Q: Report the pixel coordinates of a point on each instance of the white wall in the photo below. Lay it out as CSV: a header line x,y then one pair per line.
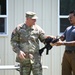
x,y
47,11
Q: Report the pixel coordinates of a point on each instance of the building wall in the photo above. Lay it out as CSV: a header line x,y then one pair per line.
x,y
47,11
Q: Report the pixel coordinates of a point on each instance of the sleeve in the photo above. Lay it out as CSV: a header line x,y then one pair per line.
x,y
42,35
15,42
63,36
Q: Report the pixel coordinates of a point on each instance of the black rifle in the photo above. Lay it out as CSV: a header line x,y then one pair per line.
x,y
47,45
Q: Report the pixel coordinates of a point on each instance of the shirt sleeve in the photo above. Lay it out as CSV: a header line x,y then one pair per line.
x,y
42,35
63,36
15,41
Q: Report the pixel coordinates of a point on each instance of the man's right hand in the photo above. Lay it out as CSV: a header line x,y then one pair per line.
x,y
58,43
22,55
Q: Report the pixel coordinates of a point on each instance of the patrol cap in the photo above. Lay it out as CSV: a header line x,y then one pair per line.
x,y
31,15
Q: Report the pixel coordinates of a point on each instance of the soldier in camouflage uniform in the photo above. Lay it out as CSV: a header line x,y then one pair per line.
x,y
25,43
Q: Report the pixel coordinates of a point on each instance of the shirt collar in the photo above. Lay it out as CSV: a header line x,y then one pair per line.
x,y
73,26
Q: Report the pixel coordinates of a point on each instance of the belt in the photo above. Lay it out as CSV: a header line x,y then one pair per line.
x,y
69,51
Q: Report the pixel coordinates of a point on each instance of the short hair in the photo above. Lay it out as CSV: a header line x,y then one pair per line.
x,y
73,11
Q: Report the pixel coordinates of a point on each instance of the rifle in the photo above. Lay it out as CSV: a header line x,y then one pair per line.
x,y
47,45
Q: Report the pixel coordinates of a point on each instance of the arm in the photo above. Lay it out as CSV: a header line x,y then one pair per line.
x,y
62,42
71,43
15,42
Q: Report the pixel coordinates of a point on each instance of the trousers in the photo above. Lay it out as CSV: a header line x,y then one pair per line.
x,y
68,63
26,69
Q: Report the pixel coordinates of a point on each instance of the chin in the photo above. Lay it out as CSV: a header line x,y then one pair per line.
x,y
71,23
34,24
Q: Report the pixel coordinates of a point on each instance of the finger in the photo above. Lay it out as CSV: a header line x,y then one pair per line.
x,y
31,56
22,56
51,44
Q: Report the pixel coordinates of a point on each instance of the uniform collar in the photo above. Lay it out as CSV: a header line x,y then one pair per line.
x,y
27,27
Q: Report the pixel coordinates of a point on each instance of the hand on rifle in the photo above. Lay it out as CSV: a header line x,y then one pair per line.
x,y
49,42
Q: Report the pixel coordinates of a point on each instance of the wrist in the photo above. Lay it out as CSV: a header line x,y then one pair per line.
x,y
63,43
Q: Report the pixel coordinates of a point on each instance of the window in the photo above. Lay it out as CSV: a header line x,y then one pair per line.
x,y
65,6
3,17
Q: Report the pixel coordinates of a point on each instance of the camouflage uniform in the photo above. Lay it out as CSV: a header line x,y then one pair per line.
x,y
27,39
